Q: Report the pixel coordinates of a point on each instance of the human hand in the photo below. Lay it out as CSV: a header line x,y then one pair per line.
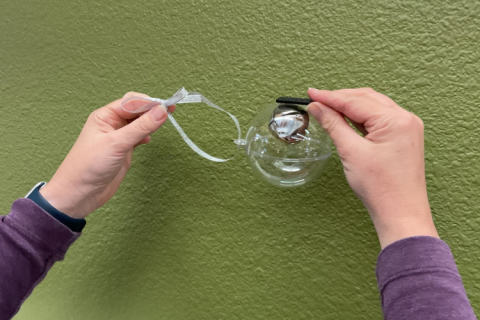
x,y
385,168
100,158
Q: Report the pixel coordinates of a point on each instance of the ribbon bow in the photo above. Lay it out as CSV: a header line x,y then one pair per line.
x,y
183,96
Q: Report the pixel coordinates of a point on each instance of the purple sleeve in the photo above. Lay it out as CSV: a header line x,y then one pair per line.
x,y
418,280
31,241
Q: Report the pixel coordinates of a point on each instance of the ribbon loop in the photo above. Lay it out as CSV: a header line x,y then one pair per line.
x,y
180,97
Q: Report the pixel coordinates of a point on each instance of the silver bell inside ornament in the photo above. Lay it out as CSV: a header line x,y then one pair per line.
x,y
284,148
289,123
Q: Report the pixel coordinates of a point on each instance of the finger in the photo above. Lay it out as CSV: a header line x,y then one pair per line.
x,y
135,132
358,105
134,104
138,105
170,109
336,126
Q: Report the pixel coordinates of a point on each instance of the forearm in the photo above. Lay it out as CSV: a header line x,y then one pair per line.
x,y
418,279
31,241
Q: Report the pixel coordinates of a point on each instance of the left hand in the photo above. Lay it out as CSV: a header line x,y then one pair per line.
x,y
98,162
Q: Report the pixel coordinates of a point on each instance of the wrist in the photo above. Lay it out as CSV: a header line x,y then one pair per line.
x,y
405,228
63,199
75,225
402,219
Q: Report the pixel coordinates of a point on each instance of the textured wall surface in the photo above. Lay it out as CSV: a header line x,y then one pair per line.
x,y
185,238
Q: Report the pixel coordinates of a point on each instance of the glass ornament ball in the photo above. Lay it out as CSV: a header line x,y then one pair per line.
x,y
285,151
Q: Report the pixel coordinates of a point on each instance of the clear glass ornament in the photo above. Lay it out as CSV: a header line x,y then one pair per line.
x,y
286,162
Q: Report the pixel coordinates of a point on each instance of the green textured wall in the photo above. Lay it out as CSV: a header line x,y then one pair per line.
x,y
185,238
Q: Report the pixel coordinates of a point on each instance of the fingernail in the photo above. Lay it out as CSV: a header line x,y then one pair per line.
x,y
309,89
132,94
138,104
158,113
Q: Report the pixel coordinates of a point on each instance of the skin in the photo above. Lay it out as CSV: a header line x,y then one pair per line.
x,y
100,158
384,167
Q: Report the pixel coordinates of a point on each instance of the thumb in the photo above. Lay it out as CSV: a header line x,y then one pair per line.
x,y
336,126
133,133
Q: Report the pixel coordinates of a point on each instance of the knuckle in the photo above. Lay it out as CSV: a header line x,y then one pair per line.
x,y
350,106
367,91
91,116
370,93
100,115
95,115
407,121
418,121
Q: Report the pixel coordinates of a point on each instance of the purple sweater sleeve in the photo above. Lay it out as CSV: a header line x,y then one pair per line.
x,y
418,280
417,276
31,241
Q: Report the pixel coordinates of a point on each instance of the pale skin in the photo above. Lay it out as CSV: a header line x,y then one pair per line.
x,y
100,158
385,167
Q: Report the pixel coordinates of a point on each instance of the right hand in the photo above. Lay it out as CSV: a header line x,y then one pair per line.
x,y
385,168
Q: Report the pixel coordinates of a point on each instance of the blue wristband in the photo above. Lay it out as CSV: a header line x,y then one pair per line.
x,y
76,225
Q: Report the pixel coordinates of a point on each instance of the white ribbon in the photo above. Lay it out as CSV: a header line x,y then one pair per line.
x,y
183,96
